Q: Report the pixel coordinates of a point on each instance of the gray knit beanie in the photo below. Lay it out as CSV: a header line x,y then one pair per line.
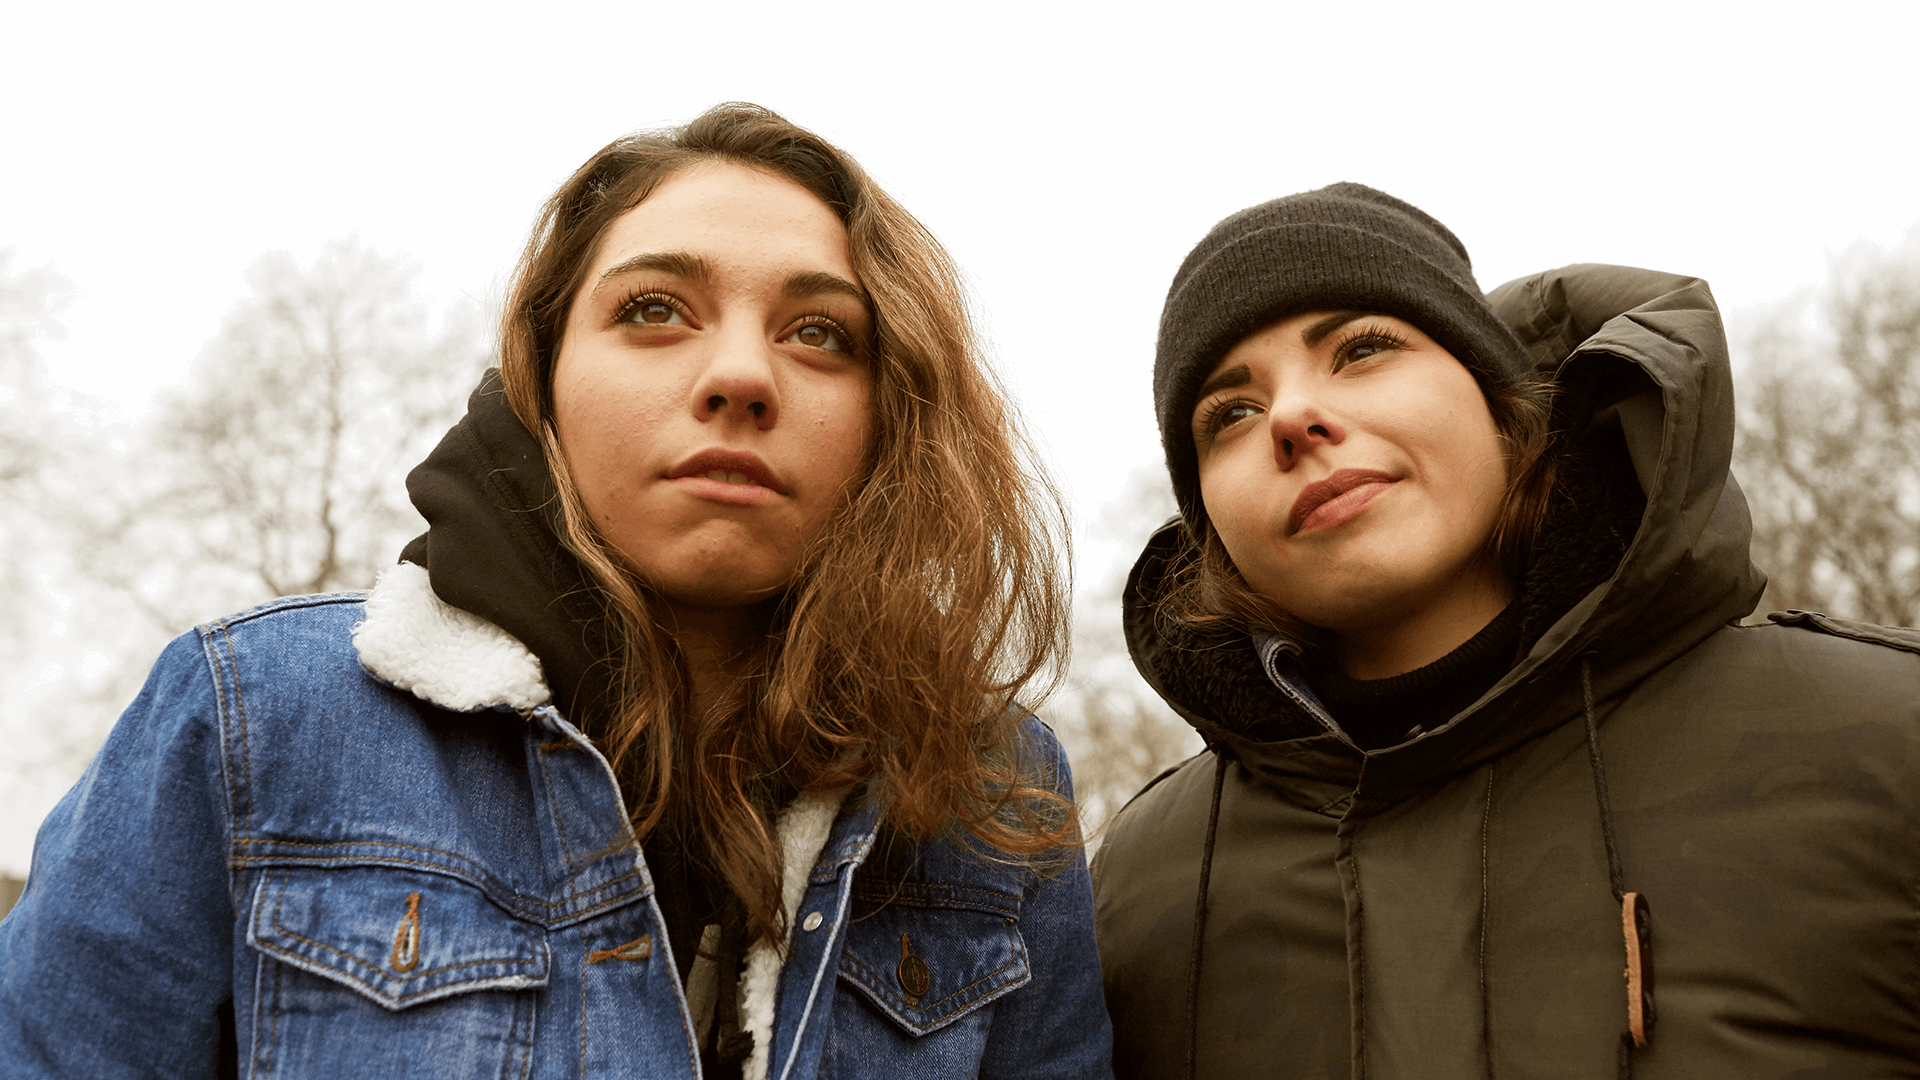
x,y
1344,247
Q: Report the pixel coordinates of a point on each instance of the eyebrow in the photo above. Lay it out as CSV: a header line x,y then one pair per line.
x,y
808,283
1318,331
1227,379
798,286
677,263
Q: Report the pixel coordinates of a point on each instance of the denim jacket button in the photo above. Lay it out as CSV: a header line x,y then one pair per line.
x,y
914,975
812,921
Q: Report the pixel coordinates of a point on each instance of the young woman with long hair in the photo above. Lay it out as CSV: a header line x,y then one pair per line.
x,y
1495,784
685,742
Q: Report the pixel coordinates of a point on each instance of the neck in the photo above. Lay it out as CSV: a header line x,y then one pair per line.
x,y
716,643
1418,638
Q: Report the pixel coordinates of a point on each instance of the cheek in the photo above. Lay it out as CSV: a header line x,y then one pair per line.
x,y
1242,512
1480,486
839,434
605,428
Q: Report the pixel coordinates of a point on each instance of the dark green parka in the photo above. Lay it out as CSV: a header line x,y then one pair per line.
x,y
1443,908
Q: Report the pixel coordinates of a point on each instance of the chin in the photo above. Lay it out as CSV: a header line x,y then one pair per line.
x,y
1347,601
725,587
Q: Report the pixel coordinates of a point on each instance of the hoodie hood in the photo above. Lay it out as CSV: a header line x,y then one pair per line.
x,y
1640,362
492,548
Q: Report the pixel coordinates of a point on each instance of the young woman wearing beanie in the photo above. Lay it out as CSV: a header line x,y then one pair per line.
x,y
684,743
1494,784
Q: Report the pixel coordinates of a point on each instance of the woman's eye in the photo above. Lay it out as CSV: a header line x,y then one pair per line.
x,y
819,336
654,313
1221,417
1365,347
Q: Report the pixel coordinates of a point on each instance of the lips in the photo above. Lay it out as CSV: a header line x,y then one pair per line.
x,y
1321,492
735,467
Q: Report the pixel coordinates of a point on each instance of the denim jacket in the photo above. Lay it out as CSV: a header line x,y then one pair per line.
x,y
285,864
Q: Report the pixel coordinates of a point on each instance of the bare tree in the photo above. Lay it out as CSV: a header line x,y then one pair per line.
x,y
1829,445
1117,732
281,469
29,301
44,430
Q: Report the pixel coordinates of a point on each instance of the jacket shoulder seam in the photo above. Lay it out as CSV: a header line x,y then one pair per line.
x,y
1904,639
285,603
1164,774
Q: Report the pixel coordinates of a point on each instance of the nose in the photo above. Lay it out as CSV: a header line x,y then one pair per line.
x,y
738,384
1299,427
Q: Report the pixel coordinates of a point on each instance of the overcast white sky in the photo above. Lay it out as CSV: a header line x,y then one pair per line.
x,y
1067,154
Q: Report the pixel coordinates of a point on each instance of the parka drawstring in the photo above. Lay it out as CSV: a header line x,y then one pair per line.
x,y
1200,917
1635,916
1615,876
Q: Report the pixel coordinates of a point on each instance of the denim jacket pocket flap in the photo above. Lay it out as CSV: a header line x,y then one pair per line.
x,y
398,937
928,966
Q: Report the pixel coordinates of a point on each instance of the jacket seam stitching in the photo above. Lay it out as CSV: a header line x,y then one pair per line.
x,y
240,712
229,773
1486,894
903,899
553,807
280,900
530,1007
358,981
866,978
1360,984
570,899
273,1032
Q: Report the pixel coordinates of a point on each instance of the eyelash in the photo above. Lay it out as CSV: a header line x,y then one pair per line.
x,y
822,319
1363,333
1210,420
637,297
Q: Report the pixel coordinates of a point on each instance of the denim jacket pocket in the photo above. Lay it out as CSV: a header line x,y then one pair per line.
x,y
397,937
928,956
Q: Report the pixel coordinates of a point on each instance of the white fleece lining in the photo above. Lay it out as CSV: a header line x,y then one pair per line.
x,y
802,829
453,658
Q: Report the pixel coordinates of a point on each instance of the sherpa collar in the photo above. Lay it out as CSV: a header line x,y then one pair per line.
x,y
413,640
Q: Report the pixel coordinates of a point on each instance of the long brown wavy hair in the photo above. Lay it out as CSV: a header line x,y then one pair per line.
x,y
928,604
1207,593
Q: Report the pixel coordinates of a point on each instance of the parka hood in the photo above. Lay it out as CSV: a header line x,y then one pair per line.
x,y
1640,362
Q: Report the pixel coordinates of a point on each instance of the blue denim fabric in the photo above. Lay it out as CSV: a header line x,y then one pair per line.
x,y
382,888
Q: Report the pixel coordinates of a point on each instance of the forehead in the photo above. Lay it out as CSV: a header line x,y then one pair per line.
x,y
1305,330
735,217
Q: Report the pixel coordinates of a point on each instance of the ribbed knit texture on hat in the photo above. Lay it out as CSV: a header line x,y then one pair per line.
x,y
1344,247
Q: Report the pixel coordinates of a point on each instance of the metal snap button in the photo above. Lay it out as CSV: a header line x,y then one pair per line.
x,y
811,922
914,975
